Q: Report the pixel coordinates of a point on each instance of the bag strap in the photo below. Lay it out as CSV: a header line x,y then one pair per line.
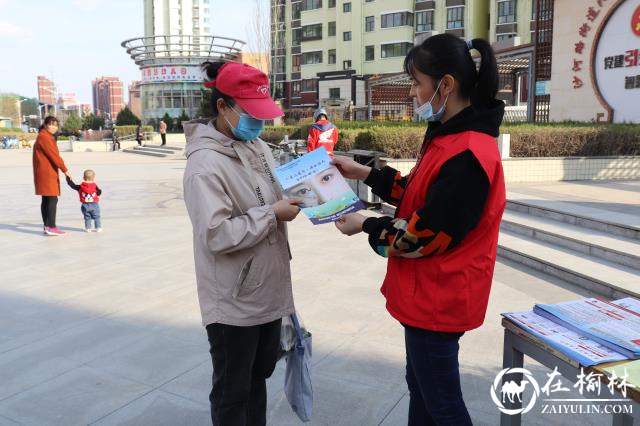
x,y
296,326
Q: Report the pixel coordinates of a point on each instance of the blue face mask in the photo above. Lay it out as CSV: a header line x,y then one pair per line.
x,y
248,128
425,111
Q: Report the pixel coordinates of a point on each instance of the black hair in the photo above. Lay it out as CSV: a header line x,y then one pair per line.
x,y
210,71
49,120
444,54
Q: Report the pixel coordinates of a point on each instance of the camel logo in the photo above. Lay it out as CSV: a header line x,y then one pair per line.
x,y
512,391
263,89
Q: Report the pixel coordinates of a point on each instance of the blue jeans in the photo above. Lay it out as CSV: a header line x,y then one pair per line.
x,y
91,211
433,377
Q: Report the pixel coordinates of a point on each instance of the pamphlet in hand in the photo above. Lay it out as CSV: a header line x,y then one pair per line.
x,y
576,346
325,195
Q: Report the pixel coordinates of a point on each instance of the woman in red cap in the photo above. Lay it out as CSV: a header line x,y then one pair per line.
x,y
240,240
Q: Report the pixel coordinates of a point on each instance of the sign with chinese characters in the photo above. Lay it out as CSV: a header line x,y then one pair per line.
x,y
616,62
171,73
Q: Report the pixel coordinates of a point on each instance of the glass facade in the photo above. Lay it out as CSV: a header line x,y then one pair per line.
x,y
172,98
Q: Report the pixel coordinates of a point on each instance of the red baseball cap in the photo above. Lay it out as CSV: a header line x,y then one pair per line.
x,y
249,87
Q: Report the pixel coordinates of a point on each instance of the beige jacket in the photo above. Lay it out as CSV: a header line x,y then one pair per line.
x,y
241,252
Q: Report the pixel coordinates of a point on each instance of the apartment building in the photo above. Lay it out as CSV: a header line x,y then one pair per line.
x,y
324,50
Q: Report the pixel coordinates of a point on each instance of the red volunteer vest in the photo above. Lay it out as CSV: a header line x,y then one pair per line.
x,y
449,292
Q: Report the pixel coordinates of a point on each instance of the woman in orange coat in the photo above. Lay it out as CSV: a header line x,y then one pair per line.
x,y
46,163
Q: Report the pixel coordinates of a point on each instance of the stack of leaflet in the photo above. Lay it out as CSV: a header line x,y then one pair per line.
x,y
591,331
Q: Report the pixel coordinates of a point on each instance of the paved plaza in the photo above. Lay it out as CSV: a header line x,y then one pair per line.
x,y
105,328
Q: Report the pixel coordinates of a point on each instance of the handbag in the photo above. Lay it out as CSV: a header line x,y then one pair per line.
x,y
297,378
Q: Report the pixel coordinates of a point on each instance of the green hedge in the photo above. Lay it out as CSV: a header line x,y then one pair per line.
x,y
131,130
527,140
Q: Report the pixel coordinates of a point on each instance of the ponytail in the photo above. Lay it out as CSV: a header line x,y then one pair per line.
x,y
210,72
444,54
486,87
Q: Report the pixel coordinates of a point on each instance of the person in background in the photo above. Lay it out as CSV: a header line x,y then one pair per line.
x,y
163,132
139,134
441,243
322,133
46,163
114,139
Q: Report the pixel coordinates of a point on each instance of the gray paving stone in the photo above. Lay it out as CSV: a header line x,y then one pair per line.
x,y
159,408
78,397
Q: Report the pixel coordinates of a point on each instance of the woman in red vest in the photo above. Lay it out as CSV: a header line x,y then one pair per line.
x,y
441,244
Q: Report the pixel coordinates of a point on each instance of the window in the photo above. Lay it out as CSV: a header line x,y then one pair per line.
x,y
346,36
332,29
397,19
346,7
369,23
346,65
545,13
295,63
309,85
395,49
296,36
296,86
312,58
279,90
334,93
312,32
369,53
332,4
506,11
295,11
279,65
311,4
455,17
501,37
332,56
424,21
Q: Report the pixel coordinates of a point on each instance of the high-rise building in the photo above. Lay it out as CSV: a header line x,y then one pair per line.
x,y
134,99
107,96
177,40
46,91
324,50
66,100
177,18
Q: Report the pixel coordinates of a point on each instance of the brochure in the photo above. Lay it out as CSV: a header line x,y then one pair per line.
x,y
578,347
326,196
613,326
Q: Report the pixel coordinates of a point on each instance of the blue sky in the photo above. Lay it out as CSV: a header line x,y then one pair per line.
x,y
75,41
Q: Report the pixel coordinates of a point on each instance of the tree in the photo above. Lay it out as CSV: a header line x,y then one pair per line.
x,y
72,125
168,120
267,32
205,110
92,122
183,117
127,118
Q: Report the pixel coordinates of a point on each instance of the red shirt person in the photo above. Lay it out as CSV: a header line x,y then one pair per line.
x,y
322,133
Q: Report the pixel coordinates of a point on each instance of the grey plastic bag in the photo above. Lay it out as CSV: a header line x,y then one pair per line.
x,y
297,378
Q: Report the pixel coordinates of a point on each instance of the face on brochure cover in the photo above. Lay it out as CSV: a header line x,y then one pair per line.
x,y
319,189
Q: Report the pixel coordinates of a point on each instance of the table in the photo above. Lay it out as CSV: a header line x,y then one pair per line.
x,y
519,342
